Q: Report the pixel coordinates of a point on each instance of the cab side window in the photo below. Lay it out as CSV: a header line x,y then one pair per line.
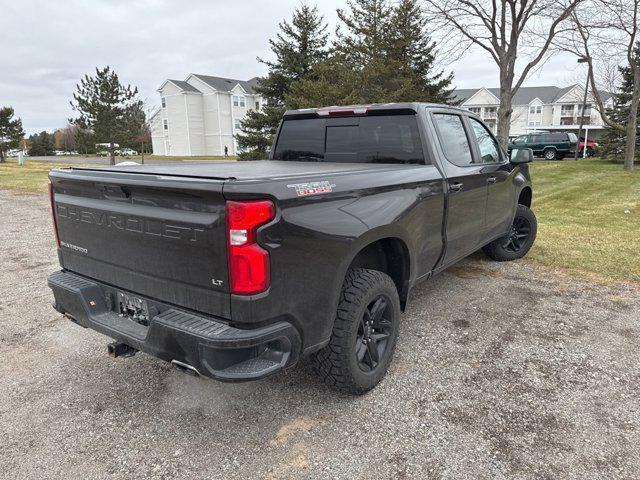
x,y
453,139
521,139
489,151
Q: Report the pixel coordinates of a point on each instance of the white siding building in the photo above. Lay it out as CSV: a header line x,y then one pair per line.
x,y
201,114
537,108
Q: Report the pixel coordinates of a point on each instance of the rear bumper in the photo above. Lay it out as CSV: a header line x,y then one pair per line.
x,y
211,347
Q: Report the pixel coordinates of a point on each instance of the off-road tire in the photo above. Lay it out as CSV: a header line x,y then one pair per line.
x,y
499,250
336,363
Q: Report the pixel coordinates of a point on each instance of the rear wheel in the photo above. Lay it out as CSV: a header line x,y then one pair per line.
x,y
364,334
518,241
550,154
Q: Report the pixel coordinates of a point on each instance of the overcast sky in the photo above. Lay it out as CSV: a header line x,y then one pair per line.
x,y
46,47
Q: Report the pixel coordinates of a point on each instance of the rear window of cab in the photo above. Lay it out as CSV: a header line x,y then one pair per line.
x,y
368,139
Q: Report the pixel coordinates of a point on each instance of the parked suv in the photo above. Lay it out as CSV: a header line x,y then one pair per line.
x,y
550,145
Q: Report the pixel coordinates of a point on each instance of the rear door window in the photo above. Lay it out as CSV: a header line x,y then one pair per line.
x,y
368,139
555,137
453,139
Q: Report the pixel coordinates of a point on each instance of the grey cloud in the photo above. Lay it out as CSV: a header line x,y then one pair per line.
x,y
46,47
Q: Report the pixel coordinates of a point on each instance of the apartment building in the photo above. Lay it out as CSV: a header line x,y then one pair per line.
x,y
201,114
537,108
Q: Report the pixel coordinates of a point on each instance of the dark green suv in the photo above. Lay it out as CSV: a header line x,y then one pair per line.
x,y
550,145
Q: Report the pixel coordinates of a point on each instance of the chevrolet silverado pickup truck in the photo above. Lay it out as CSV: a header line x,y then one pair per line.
x,y
234,270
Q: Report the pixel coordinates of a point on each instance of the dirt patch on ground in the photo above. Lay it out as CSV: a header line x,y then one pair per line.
x,y
501,371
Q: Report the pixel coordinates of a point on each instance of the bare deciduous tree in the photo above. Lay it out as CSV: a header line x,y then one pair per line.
x,y
508,30
65,138
611,38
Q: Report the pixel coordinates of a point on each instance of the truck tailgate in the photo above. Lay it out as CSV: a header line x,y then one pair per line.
x,y
155,235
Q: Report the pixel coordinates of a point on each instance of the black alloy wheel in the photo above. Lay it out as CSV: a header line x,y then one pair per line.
x,y
373,333
517,238
518,241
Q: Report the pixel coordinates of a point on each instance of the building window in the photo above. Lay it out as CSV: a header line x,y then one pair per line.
x,y
236,124
587,109
535,109
490,112
164,102
165,123
476,110
257,105
566,110
238,101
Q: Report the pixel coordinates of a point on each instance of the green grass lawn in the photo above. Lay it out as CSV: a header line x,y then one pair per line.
x,y
31,178
588,218
582,225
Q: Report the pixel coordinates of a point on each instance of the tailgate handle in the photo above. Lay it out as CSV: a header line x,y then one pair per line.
x,y
113,192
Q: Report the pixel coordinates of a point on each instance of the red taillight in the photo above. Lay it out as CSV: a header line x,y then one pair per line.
x,y
53,214
249,266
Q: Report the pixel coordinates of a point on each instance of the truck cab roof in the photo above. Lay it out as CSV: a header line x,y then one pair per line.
x,y
367,109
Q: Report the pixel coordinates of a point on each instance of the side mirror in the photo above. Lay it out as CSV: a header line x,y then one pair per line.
x,y
521,155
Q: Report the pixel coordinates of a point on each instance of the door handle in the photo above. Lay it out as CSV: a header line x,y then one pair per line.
x,y
456,187
492,180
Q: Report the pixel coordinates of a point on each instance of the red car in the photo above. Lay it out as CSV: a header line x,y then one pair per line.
x,y
592,147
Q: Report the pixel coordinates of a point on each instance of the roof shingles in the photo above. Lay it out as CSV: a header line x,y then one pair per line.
x,y
184,86
226,84
524,95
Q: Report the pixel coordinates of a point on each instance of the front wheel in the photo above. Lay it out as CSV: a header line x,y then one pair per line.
x,y
550,154
364,334
518,241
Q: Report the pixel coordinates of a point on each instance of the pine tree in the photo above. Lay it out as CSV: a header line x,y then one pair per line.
x,y
85,141
365,47
331,82
298,46
382,54
613,140
42,144
413,52
134,125
102,103
11,132
366,37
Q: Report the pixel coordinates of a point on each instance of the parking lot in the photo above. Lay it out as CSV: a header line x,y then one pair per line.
x,y
501,371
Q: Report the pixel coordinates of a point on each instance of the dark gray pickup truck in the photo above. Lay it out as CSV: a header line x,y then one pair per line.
x,y
233,270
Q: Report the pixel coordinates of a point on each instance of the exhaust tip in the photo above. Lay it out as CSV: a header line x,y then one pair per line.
x,y
185,368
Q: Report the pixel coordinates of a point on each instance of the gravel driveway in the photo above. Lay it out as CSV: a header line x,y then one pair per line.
x,y
501,371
